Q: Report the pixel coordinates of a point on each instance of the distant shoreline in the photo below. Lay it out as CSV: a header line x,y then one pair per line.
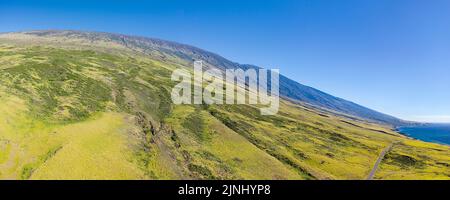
x,y
433,133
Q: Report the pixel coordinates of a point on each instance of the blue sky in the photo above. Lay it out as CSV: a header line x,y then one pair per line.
x,y
389,55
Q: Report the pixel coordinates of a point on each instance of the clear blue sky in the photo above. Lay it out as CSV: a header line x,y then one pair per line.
x,y
389,55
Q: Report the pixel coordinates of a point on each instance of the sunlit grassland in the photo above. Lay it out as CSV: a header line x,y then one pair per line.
x,y
46,106
416,160
322,151
73,113
96,149
226,153
93,149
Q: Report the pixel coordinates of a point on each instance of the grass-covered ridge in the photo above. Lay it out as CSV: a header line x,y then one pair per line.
x,y
80,113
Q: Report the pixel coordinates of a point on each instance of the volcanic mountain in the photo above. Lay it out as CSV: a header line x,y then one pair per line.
x,y
170,50
89,105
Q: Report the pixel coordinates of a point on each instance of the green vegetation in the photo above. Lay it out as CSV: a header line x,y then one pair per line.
x,y
78,113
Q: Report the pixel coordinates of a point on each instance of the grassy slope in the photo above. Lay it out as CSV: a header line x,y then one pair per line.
x,y
69,114
94,148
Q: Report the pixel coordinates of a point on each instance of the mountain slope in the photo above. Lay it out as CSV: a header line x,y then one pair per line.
x,y
166,50
78,108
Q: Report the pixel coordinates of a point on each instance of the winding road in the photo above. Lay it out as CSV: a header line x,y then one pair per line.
x,y
380,158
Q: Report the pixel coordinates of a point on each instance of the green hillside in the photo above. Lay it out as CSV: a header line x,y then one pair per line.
x,y
74,109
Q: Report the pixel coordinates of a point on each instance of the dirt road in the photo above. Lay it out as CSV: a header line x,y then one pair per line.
x,y
380,158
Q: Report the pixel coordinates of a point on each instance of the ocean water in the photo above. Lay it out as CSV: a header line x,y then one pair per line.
x,y
437,133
